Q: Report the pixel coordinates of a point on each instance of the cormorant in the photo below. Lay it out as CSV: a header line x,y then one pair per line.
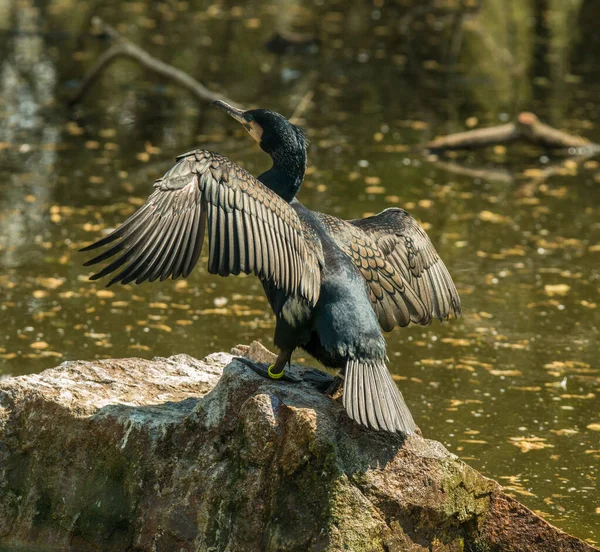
x,y
333,284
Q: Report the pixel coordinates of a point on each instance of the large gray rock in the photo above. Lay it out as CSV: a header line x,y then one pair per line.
x,y
180,454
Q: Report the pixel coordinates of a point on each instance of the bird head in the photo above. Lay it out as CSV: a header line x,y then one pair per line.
x,y
273,132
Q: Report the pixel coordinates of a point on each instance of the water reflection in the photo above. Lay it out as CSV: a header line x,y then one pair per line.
x,y
512,387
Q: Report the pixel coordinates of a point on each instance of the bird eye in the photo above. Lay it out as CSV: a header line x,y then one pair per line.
x,y
249,118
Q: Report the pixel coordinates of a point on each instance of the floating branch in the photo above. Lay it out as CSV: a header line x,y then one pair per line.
x,y
126,48
527,127
491,174
506,176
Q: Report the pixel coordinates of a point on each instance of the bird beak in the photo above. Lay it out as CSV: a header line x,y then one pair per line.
x,y
237,114
253,128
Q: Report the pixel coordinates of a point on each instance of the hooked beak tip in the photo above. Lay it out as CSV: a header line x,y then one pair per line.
x,y
237,114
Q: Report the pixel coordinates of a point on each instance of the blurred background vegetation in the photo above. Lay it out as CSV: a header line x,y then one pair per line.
x,y
512,387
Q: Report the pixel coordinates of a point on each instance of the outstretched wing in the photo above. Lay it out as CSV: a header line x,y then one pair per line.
x,y
408,249
250,229
394,300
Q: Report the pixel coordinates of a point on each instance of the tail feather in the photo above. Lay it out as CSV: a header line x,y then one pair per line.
x,y
372,399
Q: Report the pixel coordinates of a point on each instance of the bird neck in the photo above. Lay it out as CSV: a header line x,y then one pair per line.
x,y
286,175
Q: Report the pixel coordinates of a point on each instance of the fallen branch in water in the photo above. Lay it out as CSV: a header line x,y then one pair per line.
x,y
527,127
490,174
126,48
532,176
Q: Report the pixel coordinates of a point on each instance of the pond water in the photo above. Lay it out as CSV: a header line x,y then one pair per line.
x,y
512,387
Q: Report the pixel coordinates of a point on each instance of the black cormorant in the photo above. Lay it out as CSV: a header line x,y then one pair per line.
x,y
333,284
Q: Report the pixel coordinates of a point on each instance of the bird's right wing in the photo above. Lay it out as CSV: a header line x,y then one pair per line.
x,y
250,229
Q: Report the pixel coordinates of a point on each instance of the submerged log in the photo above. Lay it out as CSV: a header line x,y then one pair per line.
x,y
527,127
185,454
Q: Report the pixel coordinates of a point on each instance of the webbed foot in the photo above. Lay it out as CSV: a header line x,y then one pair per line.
x,y
269,372
321,381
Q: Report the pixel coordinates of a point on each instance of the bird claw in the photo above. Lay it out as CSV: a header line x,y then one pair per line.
x,y
321,381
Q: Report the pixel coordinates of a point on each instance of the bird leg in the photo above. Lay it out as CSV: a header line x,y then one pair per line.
x,y
274,371
321,381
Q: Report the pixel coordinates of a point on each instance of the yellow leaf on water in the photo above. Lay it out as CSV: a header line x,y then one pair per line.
x,y
556,289
162,327
419,125
139,347
39,345
561,432
594,426
458,342
530,443
532,173
489,216
222,311
506,373
252,23
50,283
74,129
105,293
95,335
397,148
108,132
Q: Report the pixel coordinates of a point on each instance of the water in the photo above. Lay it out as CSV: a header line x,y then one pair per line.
x,y
512,386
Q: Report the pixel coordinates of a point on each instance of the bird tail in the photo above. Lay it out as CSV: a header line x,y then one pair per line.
x,y
372,399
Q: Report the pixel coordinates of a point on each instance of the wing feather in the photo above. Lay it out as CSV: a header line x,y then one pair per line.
x,y
250,229
406,279
407,248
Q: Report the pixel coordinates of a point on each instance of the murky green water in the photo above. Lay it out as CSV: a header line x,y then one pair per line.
x,y
512,387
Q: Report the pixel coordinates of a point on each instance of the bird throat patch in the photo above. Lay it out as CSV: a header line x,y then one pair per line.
x,y
255,130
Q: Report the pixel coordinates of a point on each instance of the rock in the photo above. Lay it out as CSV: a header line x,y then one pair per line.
x,y
180,454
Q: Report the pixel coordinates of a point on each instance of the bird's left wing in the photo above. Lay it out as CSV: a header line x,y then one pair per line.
x,y
407,248
394,300
250,229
